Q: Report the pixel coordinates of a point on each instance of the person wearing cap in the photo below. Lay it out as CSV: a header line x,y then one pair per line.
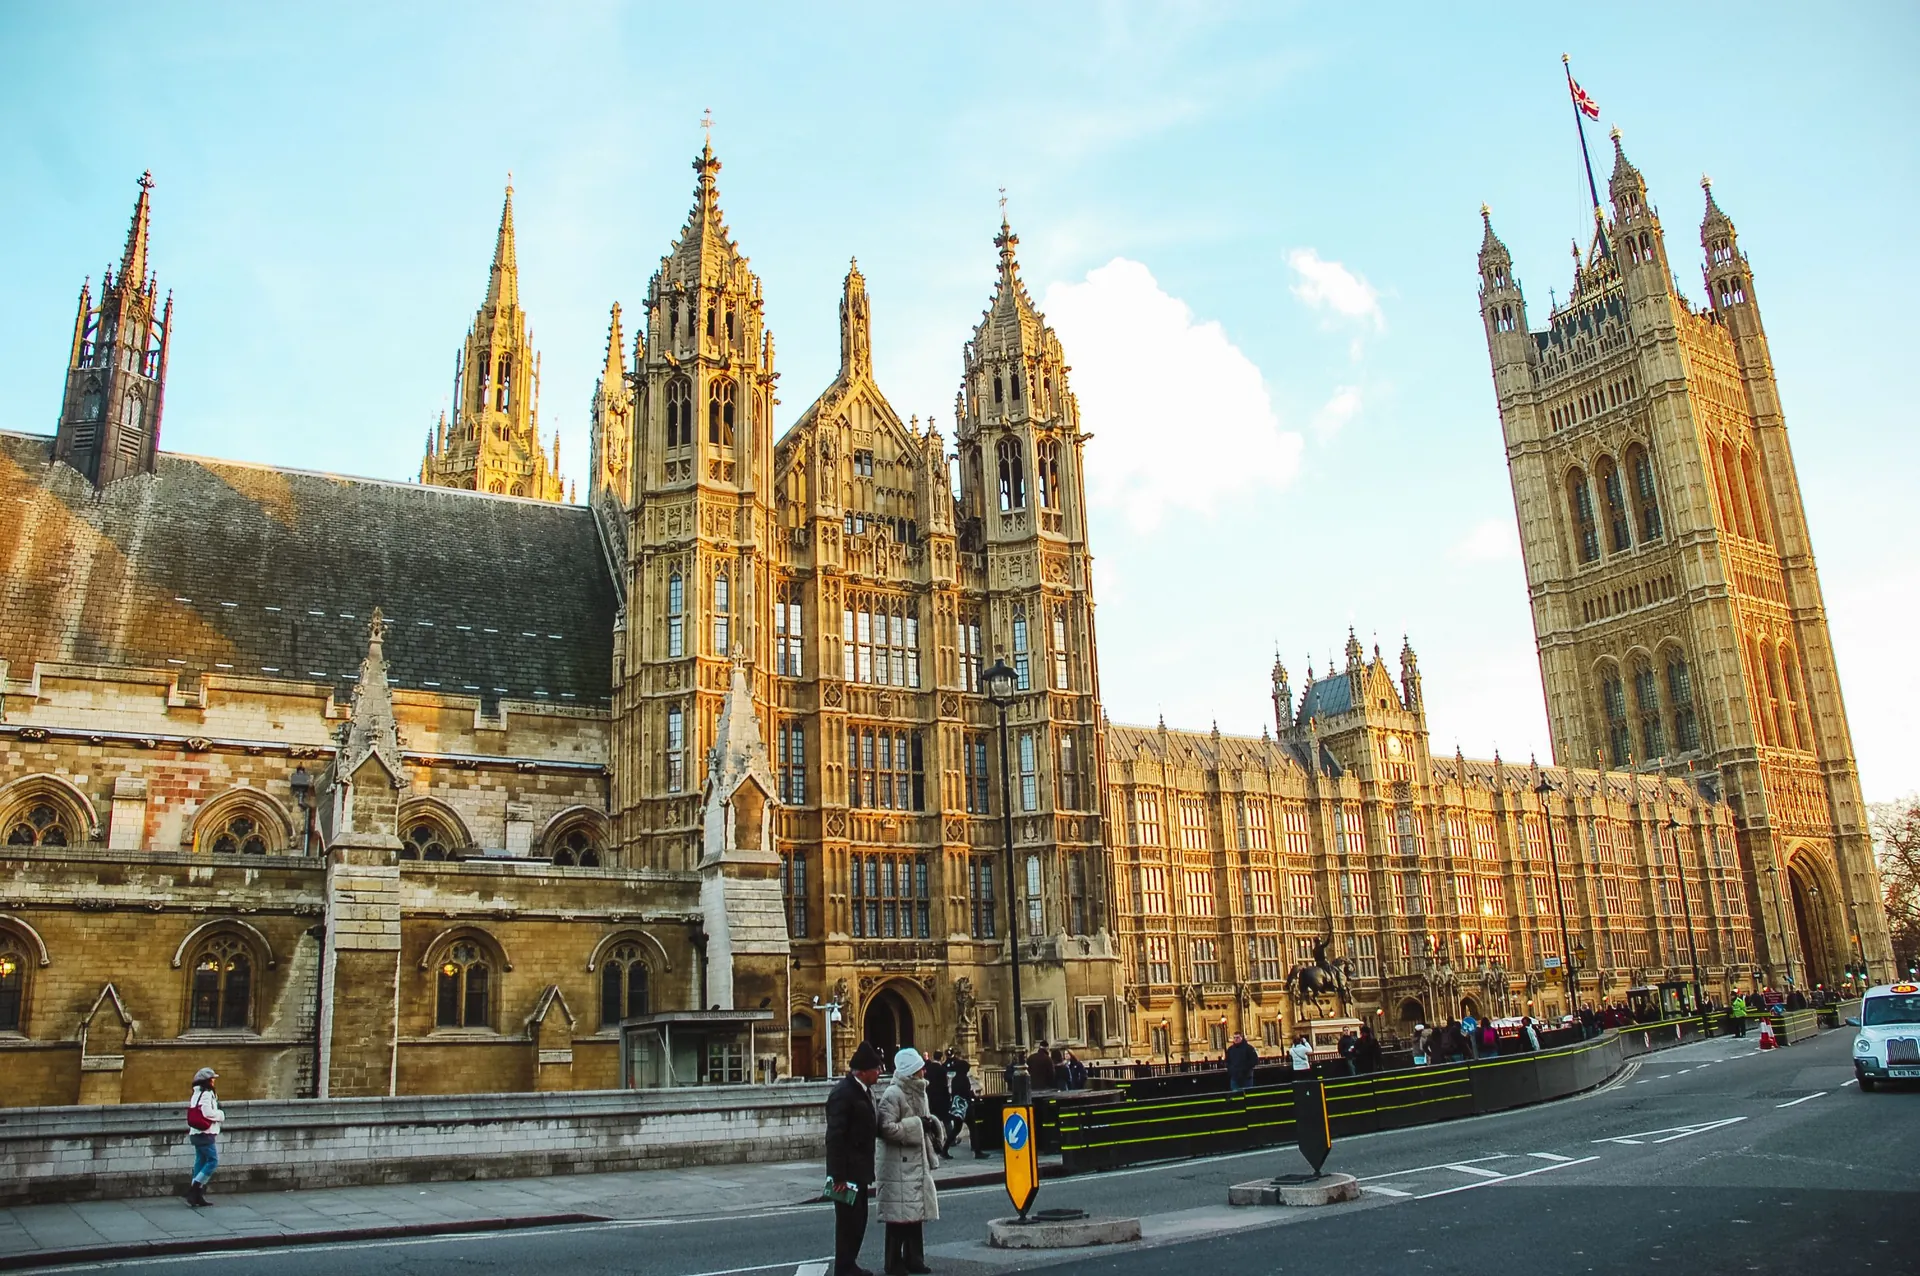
x,y
203,1131
851,1125
910,1138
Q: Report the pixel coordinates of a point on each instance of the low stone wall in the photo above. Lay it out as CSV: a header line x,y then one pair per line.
x,y
89,1153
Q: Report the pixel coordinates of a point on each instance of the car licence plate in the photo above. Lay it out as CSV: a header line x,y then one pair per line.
x,y
1904,1074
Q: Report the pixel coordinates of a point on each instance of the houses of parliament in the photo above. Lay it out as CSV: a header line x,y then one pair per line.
x,y
348,786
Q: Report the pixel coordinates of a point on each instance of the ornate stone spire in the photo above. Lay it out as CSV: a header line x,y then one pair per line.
x,y
856,327
133,262
503,286
370,729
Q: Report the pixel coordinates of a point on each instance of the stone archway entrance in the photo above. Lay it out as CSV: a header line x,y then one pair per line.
x,y
888,1023
1412,1013
1469,1006
800,1034
1812,903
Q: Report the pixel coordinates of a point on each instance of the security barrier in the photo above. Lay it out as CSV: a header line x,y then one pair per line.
x,y
1115,1134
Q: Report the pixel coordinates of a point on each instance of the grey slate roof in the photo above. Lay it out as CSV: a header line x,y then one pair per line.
x,y
1326,698
222,567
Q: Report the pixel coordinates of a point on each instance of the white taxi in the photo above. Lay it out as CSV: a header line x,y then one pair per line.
x,y
1888,1045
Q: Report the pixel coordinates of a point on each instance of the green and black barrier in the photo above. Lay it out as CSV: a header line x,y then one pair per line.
x,y
1154,1129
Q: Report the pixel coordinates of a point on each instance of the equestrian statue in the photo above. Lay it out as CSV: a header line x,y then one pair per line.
x,y
1314,980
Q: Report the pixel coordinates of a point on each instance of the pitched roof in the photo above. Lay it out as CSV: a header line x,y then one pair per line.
x,y
224,567
1326,698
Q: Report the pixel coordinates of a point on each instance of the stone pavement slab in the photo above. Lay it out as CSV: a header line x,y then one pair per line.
x,y
39,1235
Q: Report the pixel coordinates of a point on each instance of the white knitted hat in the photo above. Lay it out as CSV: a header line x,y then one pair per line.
x,y
907,1062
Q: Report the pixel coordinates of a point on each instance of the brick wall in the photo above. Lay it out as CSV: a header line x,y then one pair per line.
x,y
67,1154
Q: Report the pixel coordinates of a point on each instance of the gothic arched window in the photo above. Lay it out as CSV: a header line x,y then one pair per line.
x,y
1795,691
240,834
1047,470
1686,723
1754,501
1737,514
1613,702
39,824
1645,501
1062,680
1646,702
1580,505
1013,475
720,413
14,966
999,389
710,310
722,605
425,840
623,985
1020,657
504,395
676,616
576,846
1619,530
679,413
462,995
485,388
222,991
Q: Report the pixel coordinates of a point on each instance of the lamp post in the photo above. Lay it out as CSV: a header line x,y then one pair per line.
x,y
999,682
1686,906
302,785
1780,914
1568,968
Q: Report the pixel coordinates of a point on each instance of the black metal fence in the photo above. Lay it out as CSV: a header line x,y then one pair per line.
x,y
1198,1123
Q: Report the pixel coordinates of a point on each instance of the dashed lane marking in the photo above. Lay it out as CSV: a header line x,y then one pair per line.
x,y
1388,1191
812,1269
1479,1171
1442,1165
1802,1099
1550,1156
1846,1083
1507,1178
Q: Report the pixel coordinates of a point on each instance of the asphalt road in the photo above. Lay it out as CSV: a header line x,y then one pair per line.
x,y
1706,1158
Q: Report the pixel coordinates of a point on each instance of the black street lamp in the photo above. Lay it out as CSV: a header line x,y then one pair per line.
x,y
1568,966
999,681
1686,906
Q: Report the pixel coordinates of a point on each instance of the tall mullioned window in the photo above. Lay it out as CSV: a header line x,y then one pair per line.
x,y
980,896
793,887
1029,774
676,616
1580,506
885,768
679,411
880,640
979,789
722,619
1048,471
791,742
676,749
890,897
1062,680
1646,502
788,636
1686,724
967,645
1013,475
1022,679
1067,777
1646,699
1613,698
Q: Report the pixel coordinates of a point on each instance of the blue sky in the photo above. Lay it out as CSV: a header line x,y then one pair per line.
x,y
1254,226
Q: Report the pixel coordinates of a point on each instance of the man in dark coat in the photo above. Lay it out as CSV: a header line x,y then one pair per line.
x,y
1242,1058
852,1125
1040,1067
1366,1051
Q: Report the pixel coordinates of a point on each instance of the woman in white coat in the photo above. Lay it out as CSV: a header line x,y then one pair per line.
x,y
910,1141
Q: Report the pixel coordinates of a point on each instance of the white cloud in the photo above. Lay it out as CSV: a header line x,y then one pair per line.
x,y
1494,541
1336,413
1328,285
1181,417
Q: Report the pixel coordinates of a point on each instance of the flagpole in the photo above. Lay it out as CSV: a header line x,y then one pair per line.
x,y
1579,123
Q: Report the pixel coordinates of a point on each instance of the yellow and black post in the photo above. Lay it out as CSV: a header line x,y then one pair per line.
x,y
1311,1129
1019,1148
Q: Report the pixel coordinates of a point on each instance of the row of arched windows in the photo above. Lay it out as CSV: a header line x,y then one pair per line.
x,y
721,413
1779,694
1649,707
494,385
1011,456
1628,505
224,994
681,312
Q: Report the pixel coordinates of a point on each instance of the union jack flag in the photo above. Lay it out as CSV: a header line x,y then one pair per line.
x,y
1582,100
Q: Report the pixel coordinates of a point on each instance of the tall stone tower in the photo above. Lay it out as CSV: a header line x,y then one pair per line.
x,y
1023,508
698,563
1676,605
117,369
491,443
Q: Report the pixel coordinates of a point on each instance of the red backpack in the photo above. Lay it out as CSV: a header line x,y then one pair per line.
x,y
197,1118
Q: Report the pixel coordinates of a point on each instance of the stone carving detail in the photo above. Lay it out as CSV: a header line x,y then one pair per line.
x,y
837,824
33,735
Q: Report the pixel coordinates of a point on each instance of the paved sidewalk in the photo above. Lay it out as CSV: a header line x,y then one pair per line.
x,y
34,1235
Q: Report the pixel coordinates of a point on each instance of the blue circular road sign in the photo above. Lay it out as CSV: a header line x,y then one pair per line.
x,y
1015,1131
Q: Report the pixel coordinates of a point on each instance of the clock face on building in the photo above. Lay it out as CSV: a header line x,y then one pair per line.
x,y
1393,746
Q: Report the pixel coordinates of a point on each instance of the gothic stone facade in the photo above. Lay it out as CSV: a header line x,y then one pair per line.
x,y
1676,604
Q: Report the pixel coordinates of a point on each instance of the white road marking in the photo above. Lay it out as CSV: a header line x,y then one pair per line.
x,y
1672,1132
1479,1171
1388,1191
1643,1080
1846,1083
1550,1156
1444,1165
1802,1099
1507,1178
813,1269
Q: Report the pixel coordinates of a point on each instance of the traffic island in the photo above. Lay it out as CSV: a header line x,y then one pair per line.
x,y
1061,1229
1296,1189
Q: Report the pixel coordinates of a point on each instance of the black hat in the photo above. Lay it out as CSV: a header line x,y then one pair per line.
x,y
865,1057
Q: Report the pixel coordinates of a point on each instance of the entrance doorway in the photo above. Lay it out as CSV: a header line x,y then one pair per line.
x,y
800,1033
1808,918
888,1023
1469,1007
1412,1014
